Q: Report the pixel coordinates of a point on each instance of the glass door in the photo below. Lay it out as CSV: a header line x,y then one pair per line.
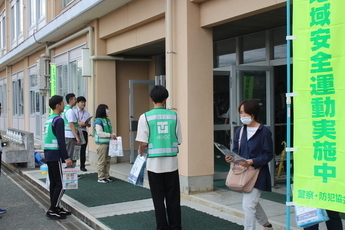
x,y
139,102
230,88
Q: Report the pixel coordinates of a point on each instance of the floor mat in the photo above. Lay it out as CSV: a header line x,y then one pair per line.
x,y
191,220
91,193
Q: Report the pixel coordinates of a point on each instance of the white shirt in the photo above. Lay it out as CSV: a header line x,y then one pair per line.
x,y
251,131
82,115
71,117
157,164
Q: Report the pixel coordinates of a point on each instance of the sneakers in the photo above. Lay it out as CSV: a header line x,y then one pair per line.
x,y
109,179
79,177
268,227
55,215
2,211
62,211
103,181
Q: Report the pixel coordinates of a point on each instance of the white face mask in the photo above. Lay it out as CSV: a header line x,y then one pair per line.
x,y
246,120
107,111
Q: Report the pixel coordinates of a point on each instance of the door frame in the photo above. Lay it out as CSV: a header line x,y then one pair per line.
x,y
132,122
234,100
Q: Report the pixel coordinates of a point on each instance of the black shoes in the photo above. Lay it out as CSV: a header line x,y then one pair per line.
x,y
62,211
83,169
55,215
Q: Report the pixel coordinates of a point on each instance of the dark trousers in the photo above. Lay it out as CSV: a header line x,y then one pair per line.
x,y
55,189
166,187
83,151
334,222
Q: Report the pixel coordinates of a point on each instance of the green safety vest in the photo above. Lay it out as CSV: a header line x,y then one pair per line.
x,y
50,141
163,141
63,115
107,128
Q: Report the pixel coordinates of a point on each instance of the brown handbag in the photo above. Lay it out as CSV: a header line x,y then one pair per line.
x,y
241,179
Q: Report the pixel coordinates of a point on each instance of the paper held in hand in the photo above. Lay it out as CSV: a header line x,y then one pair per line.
x,y
237,158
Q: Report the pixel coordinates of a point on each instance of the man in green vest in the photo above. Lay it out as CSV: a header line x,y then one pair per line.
x,y
71,124
55,154
159,133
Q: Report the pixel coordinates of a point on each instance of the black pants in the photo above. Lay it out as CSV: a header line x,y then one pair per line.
x,y
334,222
55,189
83,151
166,187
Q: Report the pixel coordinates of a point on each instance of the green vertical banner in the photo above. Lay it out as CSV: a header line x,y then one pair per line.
x,y
248,87
318,107
52,80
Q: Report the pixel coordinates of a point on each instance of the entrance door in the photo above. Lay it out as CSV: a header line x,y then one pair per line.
x,y
139,102
244,82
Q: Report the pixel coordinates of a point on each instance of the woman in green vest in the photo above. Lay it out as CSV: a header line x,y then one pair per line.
x,y
103,134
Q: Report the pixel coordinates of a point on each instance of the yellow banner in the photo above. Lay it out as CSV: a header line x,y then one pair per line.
x,y
318,108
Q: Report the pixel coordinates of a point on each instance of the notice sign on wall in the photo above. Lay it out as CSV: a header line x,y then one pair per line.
x,y
318,108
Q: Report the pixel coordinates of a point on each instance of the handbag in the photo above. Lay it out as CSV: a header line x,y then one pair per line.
x,y
308,216
136,176
241,179
115,147
81,136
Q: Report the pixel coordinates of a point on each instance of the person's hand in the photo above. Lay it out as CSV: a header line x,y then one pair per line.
x,y
68,162
142,149
81,123
77,140
229,159
246,163
113,136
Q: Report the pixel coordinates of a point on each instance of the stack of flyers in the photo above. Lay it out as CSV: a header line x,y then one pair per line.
x,y
237,158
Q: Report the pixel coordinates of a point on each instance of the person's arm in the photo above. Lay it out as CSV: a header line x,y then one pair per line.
x,y
142,134
59,131
71,118
101,133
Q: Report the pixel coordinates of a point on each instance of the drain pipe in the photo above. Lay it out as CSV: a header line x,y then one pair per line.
x,y
169,53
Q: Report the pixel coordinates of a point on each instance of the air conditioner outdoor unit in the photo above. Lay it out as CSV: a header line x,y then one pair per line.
x,y
41,76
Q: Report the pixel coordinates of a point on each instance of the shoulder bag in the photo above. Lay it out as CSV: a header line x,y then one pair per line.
x,y
241,179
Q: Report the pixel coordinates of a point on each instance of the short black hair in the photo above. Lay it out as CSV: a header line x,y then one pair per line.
x,y
54,100
69,97
159,93
250,107
101,111
81,98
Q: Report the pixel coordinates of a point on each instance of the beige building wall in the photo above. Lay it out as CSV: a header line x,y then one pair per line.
x,y
217,12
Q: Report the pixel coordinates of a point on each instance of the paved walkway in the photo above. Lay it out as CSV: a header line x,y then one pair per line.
x,y
221,203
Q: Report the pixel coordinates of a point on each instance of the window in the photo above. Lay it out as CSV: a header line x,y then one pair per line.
x,y
2,33
66,2
16,22
3,95
254,47
37,101
17,94
36,13
68,73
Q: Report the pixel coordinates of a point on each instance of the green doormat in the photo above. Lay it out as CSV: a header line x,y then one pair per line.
x,y
91,193
191,220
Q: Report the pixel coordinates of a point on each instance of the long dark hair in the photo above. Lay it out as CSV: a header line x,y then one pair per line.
x,y
101,111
